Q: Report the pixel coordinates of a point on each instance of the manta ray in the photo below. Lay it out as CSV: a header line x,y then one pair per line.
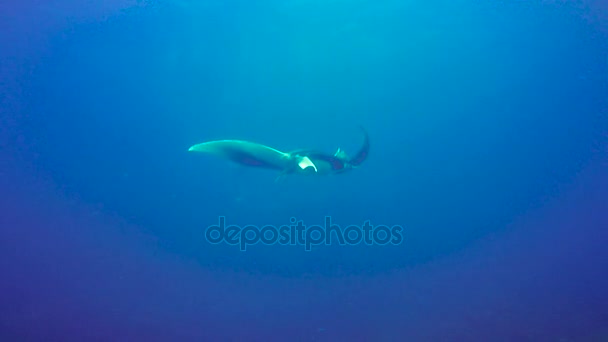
x,y
310,162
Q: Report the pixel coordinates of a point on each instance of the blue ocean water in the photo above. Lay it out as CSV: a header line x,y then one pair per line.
x,y
488,132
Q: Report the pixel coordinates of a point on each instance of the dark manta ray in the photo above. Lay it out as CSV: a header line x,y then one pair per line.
x,y
295,162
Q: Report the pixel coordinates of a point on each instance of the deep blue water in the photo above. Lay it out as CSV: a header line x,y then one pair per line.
x,y
488,128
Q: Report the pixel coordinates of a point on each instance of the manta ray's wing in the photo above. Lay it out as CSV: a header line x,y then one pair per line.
x,y
246,153
360,157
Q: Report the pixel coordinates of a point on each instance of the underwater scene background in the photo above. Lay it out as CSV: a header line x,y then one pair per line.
x,y
488,127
